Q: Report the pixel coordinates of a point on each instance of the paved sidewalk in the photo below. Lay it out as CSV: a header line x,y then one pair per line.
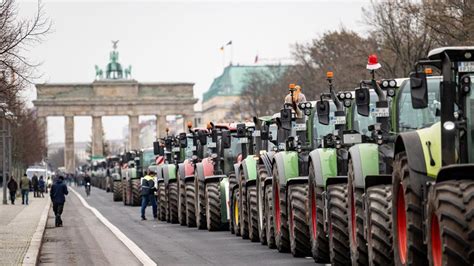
x,y
18,224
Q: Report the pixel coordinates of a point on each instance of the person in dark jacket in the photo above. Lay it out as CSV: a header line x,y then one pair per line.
x,y
41,186
148,194
12,187
34,183
58,194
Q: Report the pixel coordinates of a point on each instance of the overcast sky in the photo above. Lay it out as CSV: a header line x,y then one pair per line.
x,y
174,41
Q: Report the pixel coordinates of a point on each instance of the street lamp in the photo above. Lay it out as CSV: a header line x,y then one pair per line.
x,y
6,135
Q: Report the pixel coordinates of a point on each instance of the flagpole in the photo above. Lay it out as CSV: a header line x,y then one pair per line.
x,y
231,53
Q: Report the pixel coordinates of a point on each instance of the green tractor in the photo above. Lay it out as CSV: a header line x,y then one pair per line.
x,y
114,172
217,179
290,178
131,179
433,187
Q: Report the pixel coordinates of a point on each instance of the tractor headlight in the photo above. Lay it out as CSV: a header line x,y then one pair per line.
x,y
307,112
348,95
342,96
308,105
449,125
392,83
391,92
385,83
347,103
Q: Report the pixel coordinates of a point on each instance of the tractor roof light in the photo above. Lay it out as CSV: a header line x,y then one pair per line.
x,y
329,75
292,87
190,124
428,71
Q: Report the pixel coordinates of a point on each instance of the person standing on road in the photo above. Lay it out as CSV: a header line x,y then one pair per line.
x,y
148,194
41,186
25,186
58,194
12,187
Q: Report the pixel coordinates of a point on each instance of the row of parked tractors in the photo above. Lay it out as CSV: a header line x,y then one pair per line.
x,y
379,175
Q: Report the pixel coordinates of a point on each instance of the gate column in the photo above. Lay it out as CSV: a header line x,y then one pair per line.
x,y
160,126
133,132
97,136
69,161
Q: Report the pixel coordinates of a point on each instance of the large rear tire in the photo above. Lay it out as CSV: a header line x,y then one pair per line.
x,y
232,183
358,243
339,249
269,226
213,206
450,223
201,205
244,214
379,225
262,223
136,197
182,203
298,221
190,204
319,239
236,212
173,202
118,191
163,203
253,213
407,210
124,192
282,235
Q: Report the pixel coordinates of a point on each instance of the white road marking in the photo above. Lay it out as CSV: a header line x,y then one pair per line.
x,y
138,252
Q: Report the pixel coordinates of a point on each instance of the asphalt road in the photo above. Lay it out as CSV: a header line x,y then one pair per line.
x,y
172,244
83,240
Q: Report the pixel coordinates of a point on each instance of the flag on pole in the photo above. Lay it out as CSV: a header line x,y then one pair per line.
x,y
229,43
256,59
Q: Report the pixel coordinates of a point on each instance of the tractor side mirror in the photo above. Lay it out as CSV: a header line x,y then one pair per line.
x,y
241,130
202,137
362,96
157,149
323,112
183,140
264,133
285,119
226,139
419,90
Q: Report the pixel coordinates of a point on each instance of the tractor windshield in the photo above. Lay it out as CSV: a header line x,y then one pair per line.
x,y
412,119
361,123
148,158
320,130
189,149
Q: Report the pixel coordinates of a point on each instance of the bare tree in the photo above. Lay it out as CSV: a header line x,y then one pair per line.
x,y
28,142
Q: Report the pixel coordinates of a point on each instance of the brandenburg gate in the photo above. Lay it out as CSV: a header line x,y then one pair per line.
x,y
116,94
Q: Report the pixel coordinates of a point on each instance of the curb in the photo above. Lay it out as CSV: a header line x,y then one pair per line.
x,y
32,254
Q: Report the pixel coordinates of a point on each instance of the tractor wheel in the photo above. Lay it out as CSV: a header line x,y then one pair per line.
x,y
319,240
407,210
118,191
269,225
182,204
298,221
358,243
450,223
213,206
201,206
163,203
244,214
190,204
232,183
339,249
253,213
173,202
136,197
282,235
236,212
124,191
379,225
260,207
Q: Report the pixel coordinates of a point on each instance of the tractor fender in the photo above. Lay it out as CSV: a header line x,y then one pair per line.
x,y
213,178
286,163
189,178
365,162
188,168
199,173
169,173
324,161
456,172
336,180
268,181
207,167
181,172
159,173
249,165
225,199
298,180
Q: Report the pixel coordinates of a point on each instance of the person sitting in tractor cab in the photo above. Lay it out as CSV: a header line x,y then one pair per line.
x,y
294,97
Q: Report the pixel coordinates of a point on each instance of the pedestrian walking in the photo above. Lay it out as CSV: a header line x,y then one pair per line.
x,y
25,185
41,186
148,194
12,187
34,183
58,194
